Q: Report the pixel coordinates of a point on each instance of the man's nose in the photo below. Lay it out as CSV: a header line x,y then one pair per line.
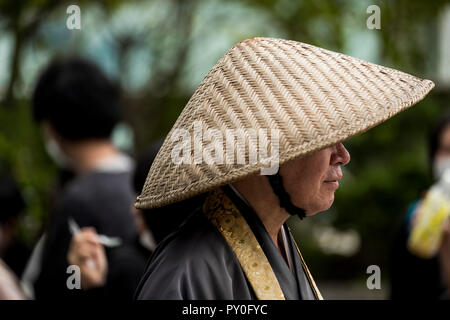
x,y
341,156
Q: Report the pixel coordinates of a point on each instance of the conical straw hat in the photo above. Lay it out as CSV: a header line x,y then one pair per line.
x,y
305,97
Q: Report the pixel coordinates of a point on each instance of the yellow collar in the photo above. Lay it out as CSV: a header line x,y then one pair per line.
x,y
223,214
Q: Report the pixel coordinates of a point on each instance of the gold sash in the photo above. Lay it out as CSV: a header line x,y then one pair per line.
x,y
234,228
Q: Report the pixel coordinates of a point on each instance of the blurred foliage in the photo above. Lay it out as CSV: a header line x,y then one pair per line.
x,y
22,155
389,168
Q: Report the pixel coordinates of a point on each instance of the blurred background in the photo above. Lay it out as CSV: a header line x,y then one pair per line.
x,y
160,50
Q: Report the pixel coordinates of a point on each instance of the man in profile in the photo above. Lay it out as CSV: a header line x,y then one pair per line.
x,y
236,244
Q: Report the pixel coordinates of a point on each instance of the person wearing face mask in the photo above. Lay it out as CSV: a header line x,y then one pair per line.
x,y
126,264
78,107
416,273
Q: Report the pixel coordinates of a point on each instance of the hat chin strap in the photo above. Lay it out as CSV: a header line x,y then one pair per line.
x,y
276,182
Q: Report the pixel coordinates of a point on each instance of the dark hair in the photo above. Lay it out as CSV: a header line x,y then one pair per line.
x,y
11,199
435,136
78,100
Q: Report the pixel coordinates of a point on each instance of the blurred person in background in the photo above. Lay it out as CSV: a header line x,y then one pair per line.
x,y
13,255
126,264
78,107
162,221
9,284
414,277
13,251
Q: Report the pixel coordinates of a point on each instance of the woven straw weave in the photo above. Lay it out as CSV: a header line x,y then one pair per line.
x,y
314,97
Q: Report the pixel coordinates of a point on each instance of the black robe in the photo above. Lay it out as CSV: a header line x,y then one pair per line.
x,y
196,263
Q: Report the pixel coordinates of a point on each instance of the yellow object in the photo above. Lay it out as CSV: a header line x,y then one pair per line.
x,y
426,233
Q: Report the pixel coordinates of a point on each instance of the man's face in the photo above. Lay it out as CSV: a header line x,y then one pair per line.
x,y
312,180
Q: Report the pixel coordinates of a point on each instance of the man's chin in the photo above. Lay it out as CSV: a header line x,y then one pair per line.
x,y
323,208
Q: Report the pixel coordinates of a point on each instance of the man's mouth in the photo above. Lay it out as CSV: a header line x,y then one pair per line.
x,y
334,181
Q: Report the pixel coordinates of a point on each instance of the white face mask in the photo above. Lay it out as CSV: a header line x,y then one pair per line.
x,y
440,166
146,239
57,155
